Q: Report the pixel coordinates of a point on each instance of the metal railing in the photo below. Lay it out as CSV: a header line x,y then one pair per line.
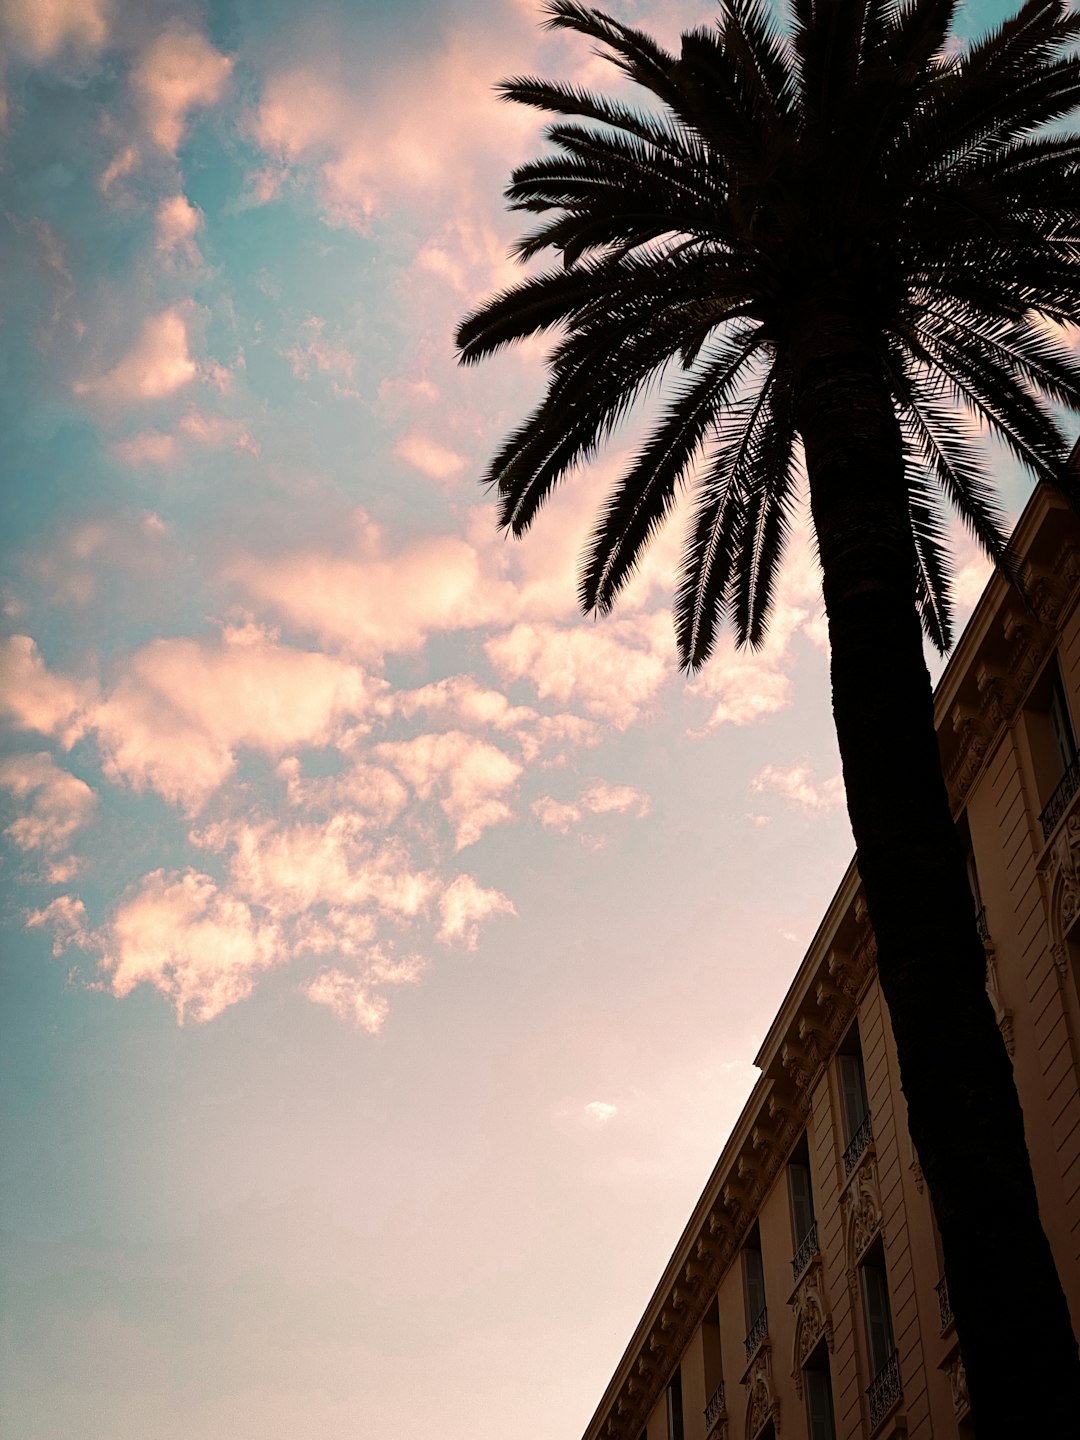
x,y
884,1390
715,1408
944,1304
808,1248
859,1142
982,925
758,1330
1059,800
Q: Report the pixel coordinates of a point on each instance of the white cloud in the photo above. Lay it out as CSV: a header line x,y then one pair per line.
x,y
177,222
600,1112
429,457
599,798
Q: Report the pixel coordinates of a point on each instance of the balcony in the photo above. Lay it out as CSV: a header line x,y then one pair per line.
x,y
716,1408
944,1304
805,1253
858,1146
983,926
884,1392
1059,800
758,1331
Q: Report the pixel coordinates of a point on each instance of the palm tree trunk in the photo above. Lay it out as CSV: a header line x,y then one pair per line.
x,y
1012,1319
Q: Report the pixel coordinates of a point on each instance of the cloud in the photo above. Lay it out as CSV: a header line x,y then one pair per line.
x,y
131,542
429,457
157,365
177,222
334,867
614,668
351,996
469,703
34,698
467,776
59,802
464,906
599,1112
411,131
599,798
42,29
147,447
373,600
180,934
318,354
797,785
180,71
65,918
182,709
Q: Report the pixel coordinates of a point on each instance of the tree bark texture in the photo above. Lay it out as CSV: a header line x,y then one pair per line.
x,y
1012,1318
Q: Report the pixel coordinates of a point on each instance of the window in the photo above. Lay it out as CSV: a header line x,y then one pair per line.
x,y
801,1194
1052,741
710,1350
818,1387
853,1100
876,1313
674,1407
753,1279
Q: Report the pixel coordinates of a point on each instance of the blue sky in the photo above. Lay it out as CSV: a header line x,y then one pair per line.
x,y
385,947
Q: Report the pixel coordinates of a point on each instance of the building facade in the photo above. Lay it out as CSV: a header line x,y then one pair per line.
x,y
806,1296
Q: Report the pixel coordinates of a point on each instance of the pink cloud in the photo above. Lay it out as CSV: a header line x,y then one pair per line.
x,y
180,71
468,777
217,432
157,365
183,708
56,803
318,354
372,795
180,934
290,869
65,919
408,133
36,699
614,668
351,996
373,600
599,798
177,222
464,907
429,457
42,29
136,542
798,786
147,447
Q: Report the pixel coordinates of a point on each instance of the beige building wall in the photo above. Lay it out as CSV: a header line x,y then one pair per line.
x,y
1004,770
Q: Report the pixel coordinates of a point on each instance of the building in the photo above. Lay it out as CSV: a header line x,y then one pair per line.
x,y
806,1296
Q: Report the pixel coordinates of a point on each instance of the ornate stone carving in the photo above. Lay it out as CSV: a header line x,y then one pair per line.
x,y
961,1400
1063,885
762,1404
917,1174
861,1204
812,1320
1000,696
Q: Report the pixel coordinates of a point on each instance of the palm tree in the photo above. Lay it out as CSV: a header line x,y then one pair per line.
x,y
834,241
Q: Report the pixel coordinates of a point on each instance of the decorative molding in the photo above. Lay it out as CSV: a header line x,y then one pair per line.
x,y
860,1204
812,1319
917,1173
958,1386
762,1404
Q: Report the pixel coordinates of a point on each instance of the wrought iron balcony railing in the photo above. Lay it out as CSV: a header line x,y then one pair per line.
x,y
859,1141
715,1408
884,1390
944,1304
1056,805
982,925
758,1330
808,1248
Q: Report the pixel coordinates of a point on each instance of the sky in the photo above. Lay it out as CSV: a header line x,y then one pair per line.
x,y
385,947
